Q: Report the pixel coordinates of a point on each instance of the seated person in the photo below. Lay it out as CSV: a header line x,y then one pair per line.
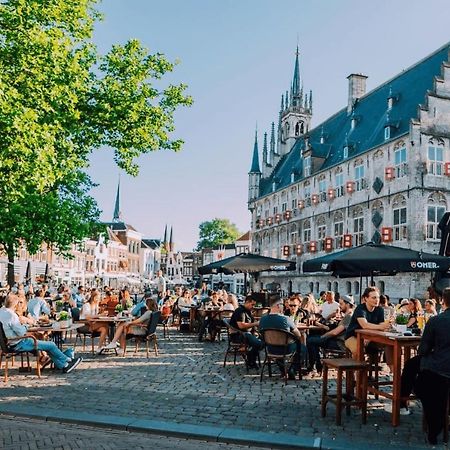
x,y
141,307
368,315
296,314
209,321
330,308
243,324
430,308
79,297
16,334
277,320
414,308
137,327
332,339
428,373
37,306
90,311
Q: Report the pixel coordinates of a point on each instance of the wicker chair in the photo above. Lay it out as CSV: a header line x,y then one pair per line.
x,y
277,348
236,348
149,336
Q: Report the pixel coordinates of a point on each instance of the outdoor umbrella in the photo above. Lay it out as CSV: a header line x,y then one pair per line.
x,y
377,259
28,273
246,263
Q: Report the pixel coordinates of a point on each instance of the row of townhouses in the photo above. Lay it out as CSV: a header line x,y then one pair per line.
x,y
377,170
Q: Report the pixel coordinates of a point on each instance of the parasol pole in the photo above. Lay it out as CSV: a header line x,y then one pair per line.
x,y
245,283
360,287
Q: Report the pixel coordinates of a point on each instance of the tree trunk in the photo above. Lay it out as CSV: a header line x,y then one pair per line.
x,y
10,253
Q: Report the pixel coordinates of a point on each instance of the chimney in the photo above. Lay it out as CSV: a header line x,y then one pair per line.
x,y
356,88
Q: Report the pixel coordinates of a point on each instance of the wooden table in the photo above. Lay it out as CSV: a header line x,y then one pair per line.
x,y
398,342
111,321
55,331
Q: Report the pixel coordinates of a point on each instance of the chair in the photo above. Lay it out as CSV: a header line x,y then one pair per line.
x,y
82,335
236,348
150,335
166,320
346,400
8,352
224,315
279,344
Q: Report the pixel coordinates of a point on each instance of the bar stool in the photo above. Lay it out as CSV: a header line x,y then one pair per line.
x,y
348,366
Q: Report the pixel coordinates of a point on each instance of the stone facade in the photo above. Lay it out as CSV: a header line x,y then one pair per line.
x,y
345,189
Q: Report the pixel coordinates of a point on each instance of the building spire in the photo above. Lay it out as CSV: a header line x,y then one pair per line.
x,y
117,216
296,83
272,143
255,160
164,243
265,152
171,245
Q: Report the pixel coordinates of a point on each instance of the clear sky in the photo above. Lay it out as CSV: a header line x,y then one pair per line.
x,y
237,56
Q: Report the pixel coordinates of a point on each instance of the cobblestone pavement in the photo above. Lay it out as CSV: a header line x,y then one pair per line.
x,y
187,383
28,434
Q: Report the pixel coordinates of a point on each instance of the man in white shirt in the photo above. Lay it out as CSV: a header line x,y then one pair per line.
x,y
160,284
15,332
330,307
37,305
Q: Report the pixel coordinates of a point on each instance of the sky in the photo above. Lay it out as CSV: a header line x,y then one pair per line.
x,y
237,58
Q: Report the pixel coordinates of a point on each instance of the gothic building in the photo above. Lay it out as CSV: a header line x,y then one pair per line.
x,y
377,170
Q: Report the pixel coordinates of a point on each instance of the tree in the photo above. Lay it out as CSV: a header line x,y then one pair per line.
x,y
60,100
216,232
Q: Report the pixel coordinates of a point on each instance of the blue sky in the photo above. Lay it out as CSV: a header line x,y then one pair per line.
x,y
237,57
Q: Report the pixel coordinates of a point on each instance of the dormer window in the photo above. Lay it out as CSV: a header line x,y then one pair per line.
x,y
387,133
274,186
353,123
390,102
307,166
322,139
346,152
292,177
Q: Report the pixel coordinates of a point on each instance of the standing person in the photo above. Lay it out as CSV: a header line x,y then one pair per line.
x,y
15,333
79,297
160,282
428,373
242,320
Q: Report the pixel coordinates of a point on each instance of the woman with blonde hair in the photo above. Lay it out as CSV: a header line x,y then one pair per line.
x,y
90,311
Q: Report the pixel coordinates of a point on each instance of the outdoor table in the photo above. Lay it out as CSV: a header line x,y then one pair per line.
x,y
56,332
111,321
398,342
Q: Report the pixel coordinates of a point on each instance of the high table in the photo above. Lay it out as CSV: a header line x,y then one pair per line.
x,y
398,342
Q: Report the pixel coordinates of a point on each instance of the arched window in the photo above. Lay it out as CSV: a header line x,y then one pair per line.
x,y
335,286
436,207
306,232
329,286
399,222
311,287
317,286
348,287
436,157
356,287
381,286
321,232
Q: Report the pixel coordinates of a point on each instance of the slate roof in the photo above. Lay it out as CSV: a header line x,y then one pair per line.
x,y
409,89
119,226
151,243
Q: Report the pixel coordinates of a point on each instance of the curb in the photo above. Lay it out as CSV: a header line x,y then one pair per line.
x,y
190,431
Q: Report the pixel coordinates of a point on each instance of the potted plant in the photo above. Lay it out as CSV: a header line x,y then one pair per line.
x,y
119,309
59,305
64,320
400,323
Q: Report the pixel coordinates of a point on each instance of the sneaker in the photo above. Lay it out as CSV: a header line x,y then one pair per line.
x,y
111,346
99,350
72,365
404,411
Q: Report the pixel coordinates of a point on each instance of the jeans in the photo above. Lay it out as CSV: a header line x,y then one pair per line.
x,y
56,355
255,345
313,344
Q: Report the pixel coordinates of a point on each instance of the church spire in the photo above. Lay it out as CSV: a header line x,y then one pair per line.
x,y
255,160
296,84
171,245
164,243
265,152
117,217
272,142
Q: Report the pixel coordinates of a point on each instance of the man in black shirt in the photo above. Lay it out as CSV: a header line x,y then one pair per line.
x,y
242,321
368,315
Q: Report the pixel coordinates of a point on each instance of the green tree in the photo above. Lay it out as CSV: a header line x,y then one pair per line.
x,y
216,232
60,100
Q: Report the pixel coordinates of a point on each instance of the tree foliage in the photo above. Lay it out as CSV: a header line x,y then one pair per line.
x,y
59,101
216,232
